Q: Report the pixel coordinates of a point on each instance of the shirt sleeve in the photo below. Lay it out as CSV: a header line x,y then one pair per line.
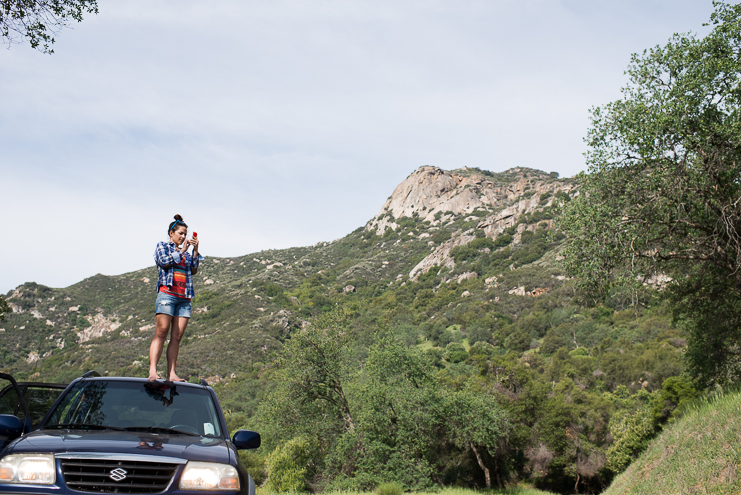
x,y
194,262
164,257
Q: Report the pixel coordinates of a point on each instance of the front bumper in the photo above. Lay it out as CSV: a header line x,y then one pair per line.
x,y
106,463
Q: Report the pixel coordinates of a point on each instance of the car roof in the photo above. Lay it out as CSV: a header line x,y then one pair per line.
x,y
140,380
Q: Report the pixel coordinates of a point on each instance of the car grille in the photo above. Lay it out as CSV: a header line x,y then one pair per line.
x,y
113,476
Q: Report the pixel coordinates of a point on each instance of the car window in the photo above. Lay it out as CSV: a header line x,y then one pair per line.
x,y
39,400
9,401
123,404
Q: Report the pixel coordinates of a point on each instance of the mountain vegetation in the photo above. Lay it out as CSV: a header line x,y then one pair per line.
x,y
440,344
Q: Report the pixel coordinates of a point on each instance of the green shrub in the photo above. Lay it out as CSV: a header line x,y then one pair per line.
x,y
482,349
406,223
389,489
471,250
478,333
433,331
503,240
447,337
273,290
518,341
579,352
287,467
204,296
482,243
434,357
215,309
631,433
676,393
440,236
455,352
424,297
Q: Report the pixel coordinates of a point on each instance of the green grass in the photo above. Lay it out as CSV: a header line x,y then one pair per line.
x,y
701,453
461,491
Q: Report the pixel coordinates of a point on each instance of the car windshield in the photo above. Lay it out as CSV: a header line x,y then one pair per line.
x,y
156,407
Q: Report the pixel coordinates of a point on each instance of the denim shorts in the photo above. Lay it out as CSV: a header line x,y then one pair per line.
x,y
173,306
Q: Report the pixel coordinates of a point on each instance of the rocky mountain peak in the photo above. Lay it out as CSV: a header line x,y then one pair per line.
x,y
487,202
431,193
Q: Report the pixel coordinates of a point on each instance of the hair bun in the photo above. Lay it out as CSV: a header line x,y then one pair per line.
x,y
178,217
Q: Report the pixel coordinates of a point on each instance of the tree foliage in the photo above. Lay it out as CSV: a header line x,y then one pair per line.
x,y
287,466
663,192
384,419
38,21
632,432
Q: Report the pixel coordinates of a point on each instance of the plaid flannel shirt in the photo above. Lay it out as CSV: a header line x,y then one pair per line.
x,y
166,255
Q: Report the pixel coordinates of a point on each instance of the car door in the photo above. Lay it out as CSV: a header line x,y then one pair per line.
x,y
37,396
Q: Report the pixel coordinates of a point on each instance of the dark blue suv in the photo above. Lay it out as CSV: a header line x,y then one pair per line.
x,y
124,435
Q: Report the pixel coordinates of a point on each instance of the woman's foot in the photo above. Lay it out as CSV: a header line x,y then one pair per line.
x,y
153,376
174,378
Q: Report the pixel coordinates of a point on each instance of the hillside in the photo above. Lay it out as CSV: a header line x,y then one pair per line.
x,y
461,264
243,309
698,454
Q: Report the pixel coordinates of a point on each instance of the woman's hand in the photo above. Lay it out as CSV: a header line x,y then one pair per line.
x,y
194,242
184,247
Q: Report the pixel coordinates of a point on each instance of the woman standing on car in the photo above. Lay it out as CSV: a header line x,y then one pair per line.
x,y
174,292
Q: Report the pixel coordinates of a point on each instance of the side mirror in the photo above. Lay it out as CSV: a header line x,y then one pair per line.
x,y
246,439
11,427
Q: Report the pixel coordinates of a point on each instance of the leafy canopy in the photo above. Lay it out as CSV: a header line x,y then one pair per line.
x,y
663,193
38,21
352,421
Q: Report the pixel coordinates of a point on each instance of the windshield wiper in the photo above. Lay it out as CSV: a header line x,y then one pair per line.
x,y
160,429
83,426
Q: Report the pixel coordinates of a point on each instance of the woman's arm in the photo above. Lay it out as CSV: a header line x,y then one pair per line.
x,y
164,256
195,258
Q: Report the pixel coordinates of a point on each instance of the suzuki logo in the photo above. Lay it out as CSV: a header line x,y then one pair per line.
x,y
118,474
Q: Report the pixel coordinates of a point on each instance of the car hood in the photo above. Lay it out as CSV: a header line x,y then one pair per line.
x,y
123,442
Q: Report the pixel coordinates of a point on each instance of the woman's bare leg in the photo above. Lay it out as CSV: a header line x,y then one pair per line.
x,y
158,343
173,348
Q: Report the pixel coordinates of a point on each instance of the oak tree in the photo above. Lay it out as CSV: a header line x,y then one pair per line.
x,y
39,21
661,202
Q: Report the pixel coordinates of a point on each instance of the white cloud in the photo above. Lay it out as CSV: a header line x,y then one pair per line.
x,y
285,122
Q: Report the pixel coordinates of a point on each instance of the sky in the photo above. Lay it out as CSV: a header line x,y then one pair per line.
x,y
270,124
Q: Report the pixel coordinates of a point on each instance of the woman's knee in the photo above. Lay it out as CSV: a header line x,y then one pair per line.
x,y
161,332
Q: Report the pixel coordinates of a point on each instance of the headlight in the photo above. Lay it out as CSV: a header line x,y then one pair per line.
x,y
209,476
37,469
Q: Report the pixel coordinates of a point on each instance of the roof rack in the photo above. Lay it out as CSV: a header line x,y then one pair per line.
x,y
90,373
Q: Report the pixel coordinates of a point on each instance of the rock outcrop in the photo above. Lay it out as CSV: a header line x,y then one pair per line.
x,y
438,196
429,190
99,326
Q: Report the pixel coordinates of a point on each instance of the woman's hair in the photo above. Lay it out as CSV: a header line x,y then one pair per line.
x,y
178,221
